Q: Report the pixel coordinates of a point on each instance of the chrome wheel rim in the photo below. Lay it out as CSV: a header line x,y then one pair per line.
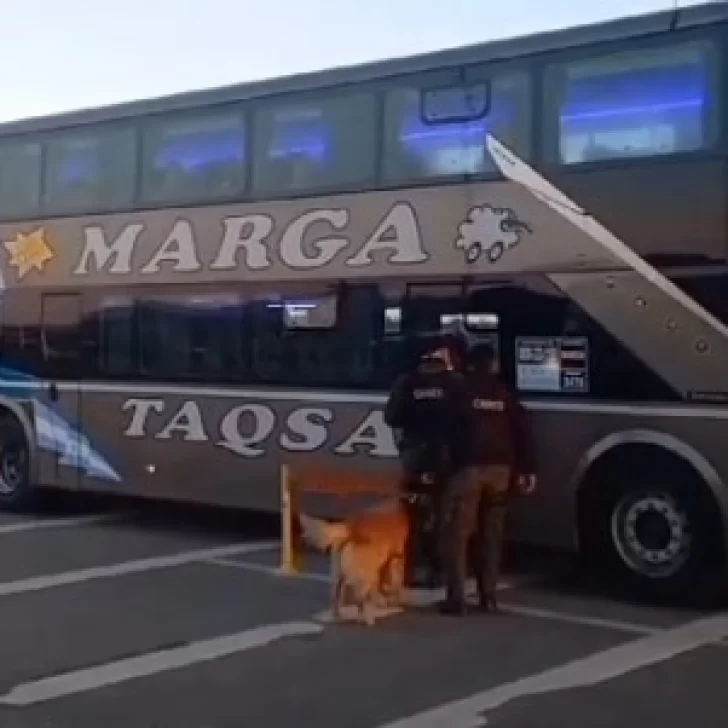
x,y
652,533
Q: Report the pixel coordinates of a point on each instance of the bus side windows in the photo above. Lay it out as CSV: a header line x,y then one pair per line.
x,y
194,157
117,329
60,335
314,143
20,175
322,339
420,144
219,337
178,338
194,337
90,170
294,339
632,104
301,338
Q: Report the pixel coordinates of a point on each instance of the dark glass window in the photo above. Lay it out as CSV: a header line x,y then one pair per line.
x,y
117,337
90,170
219,335
294,338
194,158
61,335
20,173
546,346
634,104
552,348
165,346
324,339
193,337
22,351
420,144
316,144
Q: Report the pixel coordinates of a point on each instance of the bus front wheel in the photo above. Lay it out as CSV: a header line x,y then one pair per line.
x,y
657,534
16,490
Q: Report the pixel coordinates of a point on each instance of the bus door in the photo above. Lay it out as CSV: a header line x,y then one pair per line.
x,y
58,408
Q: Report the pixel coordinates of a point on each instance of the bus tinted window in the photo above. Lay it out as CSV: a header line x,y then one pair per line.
x,y
20,172
633,104
294,338
165,348
90,170
60,335
117,335
317,144
192,337
420,148
323,339
194,158
546,346
219,337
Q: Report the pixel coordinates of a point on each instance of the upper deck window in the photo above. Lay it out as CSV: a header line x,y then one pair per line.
x,y
90,169
198,158
634,104
316,144
419,146
20,168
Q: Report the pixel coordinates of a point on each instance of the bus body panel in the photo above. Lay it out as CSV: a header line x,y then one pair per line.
x,y
666,209
225,446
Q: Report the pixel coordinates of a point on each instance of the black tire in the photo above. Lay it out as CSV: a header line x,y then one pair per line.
x,y
16,489
658,535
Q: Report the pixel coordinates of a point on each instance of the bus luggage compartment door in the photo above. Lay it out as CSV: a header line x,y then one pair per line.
x,y
58,408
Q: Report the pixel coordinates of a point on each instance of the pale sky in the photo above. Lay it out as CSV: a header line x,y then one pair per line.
x,y
57,55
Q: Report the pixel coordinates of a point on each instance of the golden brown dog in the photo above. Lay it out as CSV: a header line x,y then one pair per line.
x,y
370,548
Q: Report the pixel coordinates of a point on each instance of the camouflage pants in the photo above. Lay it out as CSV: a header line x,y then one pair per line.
x,y
473,514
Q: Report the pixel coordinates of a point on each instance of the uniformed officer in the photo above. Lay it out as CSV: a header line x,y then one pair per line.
x,y
498,453
428,409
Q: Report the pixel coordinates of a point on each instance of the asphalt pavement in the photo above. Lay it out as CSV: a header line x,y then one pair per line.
x,y
131,615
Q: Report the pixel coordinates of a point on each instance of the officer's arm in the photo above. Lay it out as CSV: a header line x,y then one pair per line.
x,y
395,412
522,435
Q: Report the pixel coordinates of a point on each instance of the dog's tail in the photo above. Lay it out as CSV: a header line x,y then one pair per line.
x,y
323,535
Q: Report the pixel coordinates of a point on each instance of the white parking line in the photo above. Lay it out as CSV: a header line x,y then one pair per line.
x,y
585,672
514,582
152,663
426,597
571,618
36,583
39,523
271,570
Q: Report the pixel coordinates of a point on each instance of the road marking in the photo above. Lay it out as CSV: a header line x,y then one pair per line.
x,y
36,583
515,582
423,598
38,523
131,668
571,618
271,570
585,672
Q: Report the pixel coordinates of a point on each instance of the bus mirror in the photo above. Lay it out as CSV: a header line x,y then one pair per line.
x,y
454,104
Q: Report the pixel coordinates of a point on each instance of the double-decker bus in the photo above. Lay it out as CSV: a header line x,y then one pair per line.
x,y
199,288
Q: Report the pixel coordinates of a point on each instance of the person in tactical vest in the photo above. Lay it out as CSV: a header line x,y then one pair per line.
x,y
428,411
498,453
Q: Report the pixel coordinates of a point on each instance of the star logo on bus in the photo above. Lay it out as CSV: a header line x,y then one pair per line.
x,y
29,251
